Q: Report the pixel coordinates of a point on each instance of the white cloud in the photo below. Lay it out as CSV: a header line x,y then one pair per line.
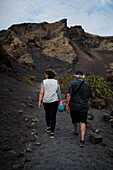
x,y
95,16
106,1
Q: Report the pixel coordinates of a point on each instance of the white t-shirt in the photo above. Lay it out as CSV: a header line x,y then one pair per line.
x,y
50,90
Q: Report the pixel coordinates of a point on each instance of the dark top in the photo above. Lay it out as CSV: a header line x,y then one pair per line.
x,y
79,101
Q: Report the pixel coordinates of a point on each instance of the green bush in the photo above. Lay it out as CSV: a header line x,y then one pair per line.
x,y
99,86
27,79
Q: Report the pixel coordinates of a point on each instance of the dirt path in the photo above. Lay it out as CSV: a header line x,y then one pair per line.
x,y
24,144
63,152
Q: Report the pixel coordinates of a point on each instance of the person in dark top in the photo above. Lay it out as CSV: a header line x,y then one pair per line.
x,y
78,94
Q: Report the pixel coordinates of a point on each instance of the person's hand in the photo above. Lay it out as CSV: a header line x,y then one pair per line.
x,y
67,109
39,105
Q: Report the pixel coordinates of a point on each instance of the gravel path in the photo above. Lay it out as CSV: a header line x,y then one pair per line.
x,y
24,144
63,152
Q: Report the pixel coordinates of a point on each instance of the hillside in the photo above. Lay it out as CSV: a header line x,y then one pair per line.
x,y
26,50
35,44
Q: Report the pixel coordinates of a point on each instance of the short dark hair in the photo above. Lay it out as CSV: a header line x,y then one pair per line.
x,y
79,72
51,73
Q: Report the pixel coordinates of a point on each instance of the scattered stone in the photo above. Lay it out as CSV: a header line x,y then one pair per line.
x,y
97,131
12,152
95,139
31,105
98,103
17,166
90,117
32,123
37,144
20,111
33,132
111,152
29,97
109,70
24,105
26,119
107,117
35,120
36,136
29,149
32,139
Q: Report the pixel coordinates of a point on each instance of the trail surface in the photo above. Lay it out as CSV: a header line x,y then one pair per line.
x,y
64,153
24,144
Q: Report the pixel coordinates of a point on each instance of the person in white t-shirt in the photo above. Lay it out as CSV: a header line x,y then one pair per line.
x,y
50,96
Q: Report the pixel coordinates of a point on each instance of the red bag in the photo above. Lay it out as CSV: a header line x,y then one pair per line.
x,y
62,105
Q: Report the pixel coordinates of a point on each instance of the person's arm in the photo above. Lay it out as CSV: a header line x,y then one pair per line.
x,y
58,92
41,95
67,102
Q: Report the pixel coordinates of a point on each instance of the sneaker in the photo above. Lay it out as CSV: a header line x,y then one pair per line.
x,y
48,130
52,135
81,143
75,133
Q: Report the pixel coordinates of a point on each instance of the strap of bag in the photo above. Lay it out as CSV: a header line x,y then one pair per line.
x,y
78,88
59,93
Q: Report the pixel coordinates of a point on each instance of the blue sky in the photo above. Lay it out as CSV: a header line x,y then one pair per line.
x,y
95,16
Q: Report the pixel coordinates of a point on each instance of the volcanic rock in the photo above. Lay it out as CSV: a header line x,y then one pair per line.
x,y
43,44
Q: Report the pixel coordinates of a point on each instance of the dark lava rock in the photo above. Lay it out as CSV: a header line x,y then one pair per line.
x,y
98,103
107,117
95,139
111,152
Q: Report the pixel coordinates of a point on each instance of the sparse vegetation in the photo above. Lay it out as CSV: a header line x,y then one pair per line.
x,y
99,86
27,79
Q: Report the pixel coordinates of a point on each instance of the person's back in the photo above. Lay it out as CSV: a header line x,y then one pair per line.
x,y
48,93
50,90
79,101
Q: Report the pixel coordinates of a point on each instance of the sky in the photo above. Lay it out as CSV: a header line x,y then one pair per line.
x,y
95,16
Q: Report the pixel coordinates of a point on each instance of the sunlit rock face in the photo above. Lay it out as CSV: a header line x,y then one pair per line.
x,y
25,42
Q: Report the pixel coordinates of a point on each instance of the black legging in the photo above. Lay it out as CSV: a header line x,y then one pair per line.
x,y
50,114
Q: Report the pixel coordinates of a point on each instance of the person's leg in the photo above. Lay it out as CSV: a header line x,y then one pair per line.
x,y
74,117
83,120
76,127
54,108
47,114
83,129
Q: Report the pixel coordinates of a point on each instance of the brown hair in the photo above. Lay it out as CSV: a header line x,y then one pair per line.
x,y
51,74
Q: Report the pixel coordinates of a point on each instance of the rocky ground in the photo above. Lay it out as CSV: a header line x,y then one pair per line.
x,y
25,145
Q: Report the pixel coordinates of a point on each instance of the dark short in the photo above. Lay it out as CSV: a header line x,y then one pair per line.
x,y
78,117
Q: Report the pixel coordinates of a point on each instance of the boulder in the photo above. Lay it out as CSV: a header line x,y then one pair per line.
x,y
95,139
98,103
107,117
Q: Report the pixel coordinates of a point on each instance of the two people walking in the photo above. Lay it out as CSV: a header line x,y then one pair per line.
x,y
77,102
